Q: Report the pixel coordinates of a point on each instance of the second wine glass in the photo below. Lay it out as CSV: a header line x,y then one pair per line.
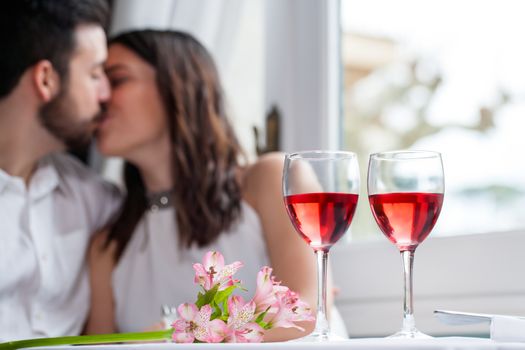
x,y
405,190
320,191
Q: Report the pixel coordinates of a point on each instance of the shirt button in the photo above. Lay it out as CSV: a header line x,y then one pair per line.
x,y
43,257
38,316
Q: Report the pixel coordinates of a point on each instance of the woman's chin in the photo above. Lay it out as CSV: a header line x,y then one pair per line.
x,y
106,149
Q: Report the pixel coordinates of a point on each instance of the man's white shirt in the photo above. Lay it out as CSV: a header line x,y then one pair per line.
x,y
45,229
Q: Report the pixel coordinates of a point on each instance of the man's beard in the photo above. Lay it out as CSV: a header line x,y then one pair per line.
x,y
61,118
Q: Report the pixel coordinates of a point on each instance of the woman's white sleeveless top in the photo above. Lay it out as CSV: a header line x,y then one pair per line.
x,y
153,271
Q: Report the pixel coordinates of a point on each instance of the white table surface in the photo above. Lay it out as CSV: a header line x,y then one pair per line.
x,y
446,343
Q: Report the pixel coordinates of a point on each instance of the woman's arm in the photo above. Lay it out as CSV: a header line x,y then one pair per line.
x,y
292,259
101,319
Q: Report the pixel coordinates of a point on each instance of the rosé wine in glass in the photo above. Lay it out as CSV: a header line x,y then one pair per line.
x,y
405,191
320,191
406,219
321,218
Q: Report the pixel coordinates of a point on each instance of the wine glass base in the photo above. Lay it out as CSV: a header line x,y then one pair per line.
x,y
410,334
319,337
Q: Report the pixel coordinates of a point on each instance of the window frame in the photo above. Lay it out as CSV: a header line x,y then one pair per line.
x,y
303,71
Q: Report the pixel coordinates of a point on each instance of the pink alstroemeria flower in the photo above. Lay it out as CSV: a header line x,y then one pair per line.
x,y
213,271
289,309
195,324
241,325
266,289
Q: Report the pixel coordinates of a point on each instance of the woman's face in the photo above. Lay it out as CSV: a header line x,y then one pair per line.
x,y
136,120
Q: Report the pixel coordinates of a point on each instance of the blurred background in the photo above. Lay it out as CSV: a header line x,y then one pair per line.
x,y
445,76
376,75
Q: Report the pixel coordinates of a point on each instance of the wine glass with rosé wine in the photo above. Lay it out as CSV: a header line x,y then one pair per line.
x,y
320,190
405,190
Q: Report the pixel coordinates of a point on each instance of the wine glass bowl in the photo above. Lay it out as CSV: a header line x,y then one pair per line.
x,y
406,219
405,191
321,219
320,190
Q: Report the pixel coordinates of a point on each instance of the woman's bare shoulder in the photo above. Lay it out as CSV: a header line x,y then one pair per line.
x,y
266,165
263,177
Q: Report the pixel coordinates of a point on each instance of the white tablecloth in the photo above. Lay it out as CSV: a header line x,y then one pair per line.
x,y
448,343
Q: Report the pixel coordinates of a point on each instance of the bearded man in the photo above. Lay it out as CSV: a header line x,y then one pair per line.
x,y
52,92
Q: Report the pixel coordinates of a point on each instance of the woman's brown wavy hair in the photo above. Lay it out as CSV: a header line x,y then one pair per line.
x,y
204,149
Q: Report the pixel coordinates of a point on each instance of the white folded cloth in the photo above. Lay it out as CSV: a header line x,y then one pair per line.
x,y
507,329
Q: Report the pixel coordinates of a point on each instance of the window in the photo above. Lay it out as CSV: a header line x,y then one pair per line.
x,y
447,76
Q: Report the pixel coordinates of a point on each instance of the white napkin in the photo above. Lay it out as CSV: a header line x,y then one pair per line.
x,y
507,329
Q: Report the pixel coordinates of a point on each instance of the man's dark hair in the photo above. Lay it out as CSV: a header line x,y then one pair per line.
x,y
35,30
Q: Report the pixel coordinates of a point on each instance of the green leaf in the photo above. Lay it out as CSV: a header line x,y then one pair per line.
x,y
264,325
261,316
207,297
217,312
224,294
89,339
224,315
226,310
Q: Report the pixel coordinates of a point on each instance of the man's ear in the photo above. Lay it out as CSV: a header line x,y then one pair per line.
x,y
46,80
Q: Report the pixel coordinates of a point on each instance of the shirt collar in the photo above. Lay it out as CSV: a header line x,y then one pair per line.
x,y
45,179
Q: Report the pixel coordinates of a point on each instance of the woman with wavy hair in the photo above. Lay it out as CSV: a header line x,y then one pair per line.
x,y
187,191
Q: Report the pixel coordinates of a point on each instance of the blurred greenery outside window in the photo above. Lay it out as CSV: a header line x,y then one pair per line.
x,y
447,76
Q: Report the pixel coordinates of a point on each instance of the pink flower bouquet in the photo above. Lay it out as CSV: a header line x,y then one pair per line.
x,y
217,316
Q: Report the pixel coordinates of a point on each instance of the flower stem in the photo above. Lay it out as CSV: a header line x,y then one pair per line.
x,y
89,339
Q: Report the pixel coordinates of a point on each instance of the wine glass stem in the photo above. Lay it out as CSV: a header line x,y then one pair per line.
x,y
322,327
408,307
